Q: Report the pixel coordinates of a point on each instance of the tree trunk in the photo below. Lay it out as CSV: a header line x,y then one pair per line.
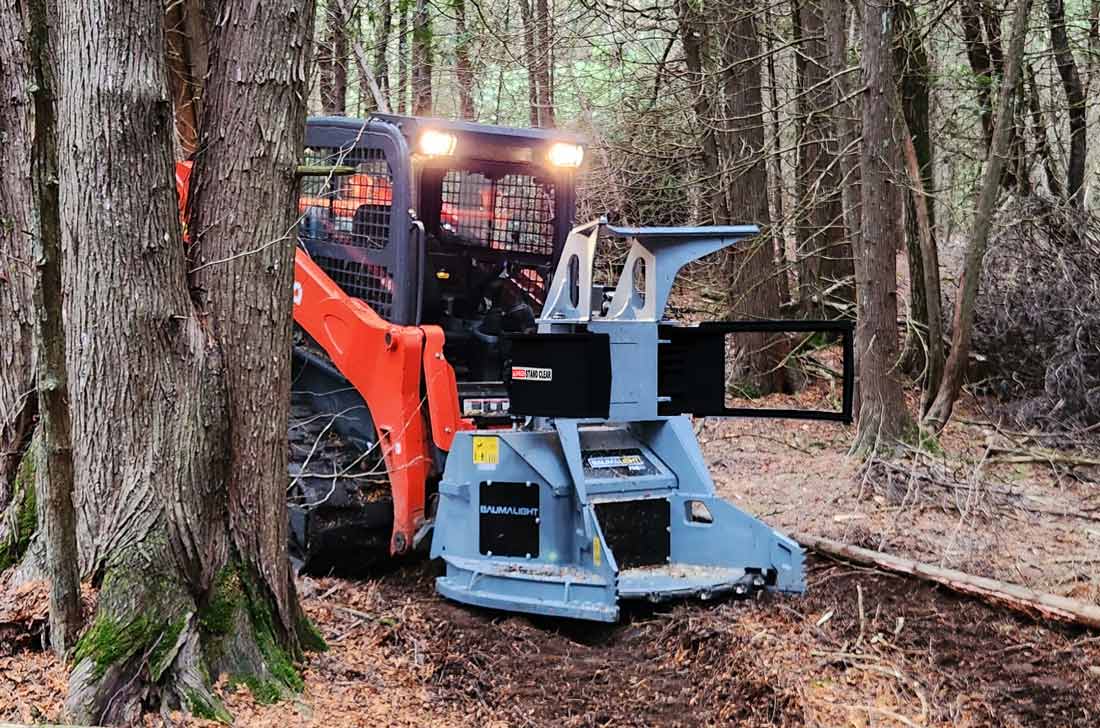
x,y
402,58
1039,132
1075,99
530,58
754,279
334,60
844,116
545,66
824,255
962,325
381,49
775,162
17,401
464,72
882,417
181,518
693,37
422,60
55,462
187,64
912,61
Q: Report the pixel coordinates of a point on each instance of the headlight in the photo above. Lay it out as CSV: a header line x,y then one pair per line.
x,y
566,155
437,143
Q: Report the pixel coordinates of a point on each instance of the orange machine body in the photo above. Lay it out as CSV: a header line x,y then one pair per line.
x,y
400,371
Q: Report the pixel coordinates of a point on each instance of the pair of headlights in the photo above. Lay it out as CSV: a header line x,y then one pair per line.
x,y
436,143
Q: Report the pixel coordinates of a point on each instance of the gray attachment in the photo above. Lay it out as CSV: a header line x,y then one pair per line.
x,y
567,517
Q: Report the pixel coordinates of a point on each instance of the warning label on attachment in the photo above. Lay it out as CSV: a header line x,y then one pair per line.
x,y
532,374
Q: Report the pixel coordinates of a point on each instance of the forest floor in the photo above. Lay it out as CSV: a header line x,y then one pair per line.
x,y
861,648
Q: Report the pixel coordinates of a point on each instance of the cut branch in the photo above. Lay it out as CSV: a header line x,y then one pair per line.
x,y
1013,596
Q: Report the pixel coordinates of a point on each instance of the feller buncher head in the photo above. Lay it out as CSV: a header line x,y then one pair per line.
x,y
603,493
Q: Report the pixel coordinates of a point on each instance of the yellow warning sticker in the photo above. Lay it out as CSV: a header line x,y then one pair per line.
x,y
486,450
596,550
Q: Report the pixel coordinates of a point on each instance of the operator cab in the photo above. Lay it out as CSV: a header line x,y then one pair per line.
x,y
443,222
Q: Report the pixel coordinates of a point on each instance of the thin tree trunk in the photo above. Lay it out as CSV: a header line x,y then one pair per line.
x,y
913,84
844,117
754,279
962,326
693,37
530,58
55,461
334,61
402,58
381,49
775,162
17,401
181,518
1075,98
825,258
422,60
464,72
882,417
545,45
929,273
1039,132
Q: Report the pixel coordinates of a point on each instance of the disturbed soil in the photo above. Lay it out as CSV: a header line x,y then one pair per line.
x,y
861,648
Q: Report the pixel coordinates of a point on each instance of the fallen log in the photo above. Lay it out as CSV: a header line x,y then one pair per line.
x,y
1015,597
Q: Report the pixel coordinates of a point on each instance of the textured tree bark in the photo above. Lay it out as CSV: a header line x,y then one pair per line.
x,y
775,167
962,325
244,266
913,73
1075,99
181,519
17,401
1039,132
54,479
693,37
334,60
754,278
824,254
530,59
545,65
464,71
882,417
422,60
844,116
381,49
402,58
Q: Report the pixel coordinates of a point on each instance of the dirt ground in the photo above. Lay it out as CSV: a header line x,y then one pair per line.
x,y
860,649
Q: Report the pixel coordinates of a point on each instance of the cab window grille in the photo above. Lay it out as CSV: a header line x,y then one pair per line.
x,y
369,282
514,212
348,209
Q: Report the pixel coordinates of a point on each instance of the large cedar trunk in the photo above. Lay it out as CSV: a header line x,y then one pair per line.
x,y
824,254
17,403
754,276
244,266
181,518
882,415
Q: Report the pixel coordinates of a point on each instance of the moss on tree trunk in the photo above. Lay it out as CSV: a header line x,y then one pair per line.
x,y
19,523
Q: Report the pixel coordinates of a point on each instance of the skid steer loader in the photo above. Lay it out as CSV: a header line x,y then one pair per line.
x,y
457,369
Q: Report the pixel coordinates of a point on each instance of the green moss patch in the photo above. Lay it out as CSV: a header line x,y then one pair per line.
x,y
110,641
206,707
26,515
